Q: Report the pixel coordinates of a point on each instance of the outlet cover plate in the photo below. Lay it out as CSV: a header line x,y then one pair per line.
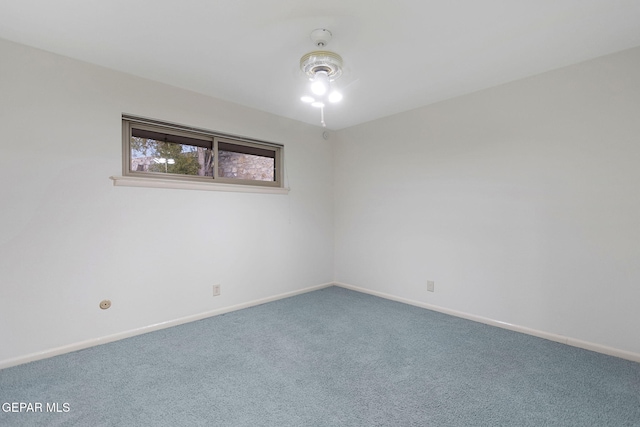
x,y
431,285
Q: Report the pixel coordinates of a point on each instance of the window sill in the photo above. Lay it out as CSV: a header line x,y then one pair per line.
x,y
129,181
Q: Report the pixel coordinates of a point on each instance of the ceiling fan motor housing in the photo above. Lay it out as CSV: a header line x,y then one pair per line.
x,y
322,60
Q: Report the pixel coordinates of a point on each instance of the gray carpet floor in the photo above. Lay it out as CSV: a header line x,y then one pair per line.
x,y
332,357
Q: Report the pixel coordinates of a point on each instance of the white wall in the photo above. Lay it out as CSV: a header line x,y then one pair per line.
x,y
69,238
521,202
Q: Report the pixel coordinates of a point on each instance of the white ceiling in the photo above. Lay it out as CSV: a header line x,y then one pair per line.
x,y
399,54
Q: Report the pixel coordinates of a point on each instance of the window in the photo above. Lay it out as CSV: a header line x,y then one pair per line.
x,y
157,150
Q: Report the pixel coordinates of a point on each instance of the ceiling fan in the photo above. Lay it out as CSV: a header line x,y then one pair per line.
x,y
322,68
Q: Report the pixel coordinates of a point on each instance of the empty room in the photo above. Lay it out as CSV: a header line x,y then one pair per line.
x,y
338,213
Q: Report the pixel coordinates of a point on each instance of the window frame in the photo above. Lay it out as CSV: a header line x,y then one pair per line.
x,y
208,137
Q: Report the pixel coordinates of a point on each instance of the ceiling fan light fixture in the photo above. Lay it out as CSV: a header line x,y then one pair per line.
x,y
335,96
321,60
320,83
321,67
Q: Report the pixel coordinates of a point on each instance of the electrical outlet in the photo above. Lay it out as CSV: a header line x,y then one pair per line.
x,y
431,286
216,290
104,304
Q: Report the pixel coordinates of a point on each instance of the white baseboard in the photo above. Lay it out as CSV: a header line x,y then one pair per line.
x,y
139,331
635,357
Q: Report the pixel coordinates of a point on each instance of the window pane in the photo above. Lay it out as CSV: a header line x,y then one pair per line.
x,y
242,162
165,153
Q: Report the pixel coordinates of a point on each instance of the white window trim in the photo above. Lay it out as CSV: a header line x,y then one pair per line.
x,y
134,181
